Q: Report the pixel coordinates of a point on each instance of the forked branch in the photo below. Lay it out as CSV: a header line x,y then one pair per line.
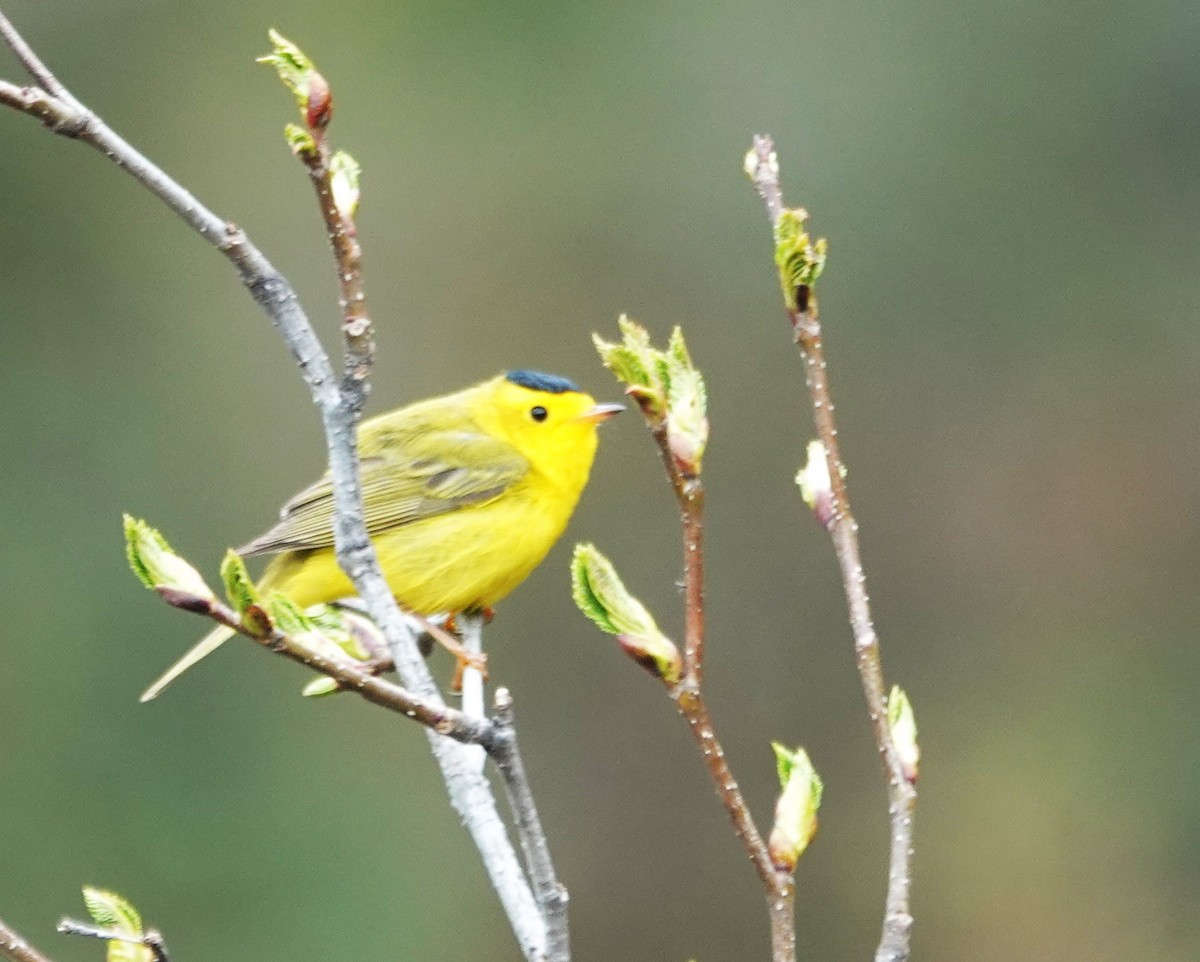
x,y
339,405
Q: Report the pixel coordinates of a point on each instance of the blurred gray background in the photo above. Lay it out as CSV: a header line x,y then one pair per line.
x,y
1011,199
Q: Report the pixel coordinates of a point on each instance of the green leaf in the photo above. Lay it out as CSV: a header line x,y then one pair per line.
x,y
800,261
156,565
287,615
111,911
321,629
299,140
586,599
625,363
600,595
293,66
239,588
677,351
687,405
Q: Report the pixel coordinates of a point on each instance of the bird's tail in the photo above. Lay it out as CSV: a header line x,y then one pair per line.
x,y
206,646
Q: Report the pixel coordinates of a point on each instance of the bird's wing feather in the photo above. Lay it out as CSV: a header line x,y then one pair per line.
x,y
403,480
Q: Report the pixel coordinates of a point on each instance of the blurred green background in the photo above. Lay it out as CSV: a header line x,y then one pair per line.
x,y
1010,192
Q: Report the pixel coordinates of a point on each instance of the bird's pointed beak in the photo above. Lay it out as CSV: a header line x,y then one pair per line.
x,y
598,413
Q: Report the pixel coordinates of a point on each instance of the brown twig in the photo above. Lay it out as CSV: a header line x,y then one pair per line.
x,y
350,676
843,530
688,695
16,949
357,330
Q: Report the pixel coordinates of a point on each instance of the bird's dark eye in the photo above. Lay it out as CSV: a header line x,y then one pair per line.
x,y
538,413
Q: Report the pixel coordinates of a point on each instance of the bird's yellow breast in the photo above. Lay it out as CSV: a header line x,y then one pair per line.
x,y
463,559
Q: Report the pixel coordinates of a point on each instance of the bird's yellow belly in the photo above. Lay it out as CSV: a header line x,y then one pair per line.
x,y
465,559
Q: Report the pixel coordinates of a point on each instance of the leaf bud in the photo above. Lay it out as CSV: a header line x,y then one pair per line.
x,y
903,725
816,484
302,78
600,595
796,810
158,567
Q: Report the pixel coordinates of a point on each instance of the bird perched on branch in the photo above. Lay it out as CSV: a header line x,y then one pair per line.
x,y
463,496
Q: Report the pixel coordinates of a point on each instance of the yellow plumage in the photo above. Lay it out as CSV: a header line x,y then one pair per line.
x,y
463,496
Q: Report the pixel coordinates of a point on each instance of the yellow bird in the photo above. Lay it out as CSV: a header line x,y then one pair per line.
x,y
463,496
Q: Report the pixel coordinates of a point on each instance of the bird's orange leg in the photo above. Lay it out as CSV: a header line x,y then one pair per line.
x,y
463,658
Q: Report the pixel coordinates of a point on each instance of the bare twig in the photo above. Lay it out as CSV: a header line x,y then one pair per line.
x,y
470,794
806,328
33,64
14,948
551,894
778,886
151,938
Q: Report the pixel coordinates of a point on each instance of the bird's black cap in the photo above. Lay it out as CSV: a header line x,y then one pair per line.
x,y
538,381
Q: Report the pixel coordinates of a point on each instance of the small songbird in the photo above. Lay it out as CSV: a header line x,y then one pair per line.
x,y
463,496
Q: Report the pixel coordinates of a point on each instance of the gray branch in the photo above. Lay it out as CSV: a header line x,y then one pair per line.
x,y
470,794
551,894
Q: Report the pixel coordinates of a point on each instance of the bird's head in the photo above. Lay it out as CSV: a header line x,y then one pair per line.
x,y
547,418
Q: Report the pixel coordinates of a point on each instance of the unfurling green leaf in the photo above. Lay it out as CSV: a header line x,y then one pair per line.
x,y
800,261
667,386
324,630
345,174
299,140
796,810
600,595
687,406
153,561
636,365
302,78
239,588
903,724
111,911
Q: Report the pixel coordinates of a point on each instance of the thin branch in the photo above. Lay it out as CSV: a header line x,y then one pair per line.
x,y
350,675
843,530
151,938
691,498
689,493
33,63
778,886
357,330
688,695
14,948
470,795
550,893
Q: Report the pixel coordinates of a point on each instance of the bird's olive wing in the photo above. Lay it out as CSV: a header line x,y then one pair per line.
x,y
426,476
